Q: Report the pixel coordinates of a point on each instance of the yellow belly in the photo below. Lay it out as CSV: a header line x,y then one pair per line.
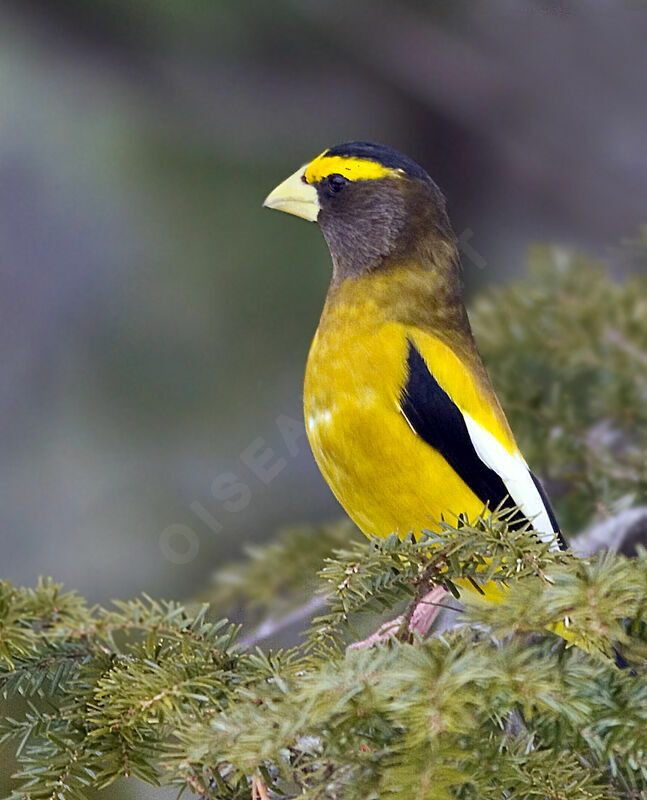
x,y
386,477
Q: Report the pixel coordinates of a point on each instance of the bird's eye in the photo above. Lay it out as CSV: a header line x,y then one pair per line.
x,y
336,182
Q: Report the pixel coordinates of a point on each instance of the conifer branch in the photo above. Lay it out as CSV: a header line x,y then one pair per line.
x,y
500,705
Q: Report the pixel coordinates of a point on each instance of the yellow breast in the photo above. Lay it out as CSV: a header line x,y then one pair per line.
x,y
385,476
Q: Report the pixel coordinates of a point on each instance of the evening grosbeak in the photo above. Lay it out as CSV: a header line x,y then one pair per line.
x,y
399,410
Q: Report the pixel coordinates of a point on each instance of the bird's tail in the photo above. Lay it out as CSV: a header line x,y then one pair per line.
x,y
497,592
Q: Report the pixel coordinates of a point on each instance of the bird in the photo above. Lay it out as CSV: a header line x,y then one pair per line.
x,y
399,410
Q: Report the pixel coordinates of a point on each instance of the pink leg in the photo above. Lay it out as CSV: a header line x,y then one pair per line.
x,y
427,610
420,620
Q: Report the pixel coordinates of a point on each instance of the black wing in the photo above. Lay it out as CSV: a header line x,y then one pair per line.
x,y
435,417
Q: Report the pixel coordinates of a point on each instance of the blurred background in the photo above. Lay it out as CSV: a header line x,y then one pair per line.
x,y
155,321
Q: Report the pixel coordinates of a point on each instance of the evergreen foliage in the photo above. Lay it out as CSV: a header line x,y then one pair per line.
x,y
567,352
497,706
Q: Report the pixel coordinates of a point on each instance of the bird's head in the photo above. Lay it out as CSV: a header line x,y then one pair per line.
x,y
374,205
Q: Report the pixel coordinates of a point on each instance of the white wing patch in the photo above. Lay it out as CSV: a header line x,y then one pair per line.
x,y
514,472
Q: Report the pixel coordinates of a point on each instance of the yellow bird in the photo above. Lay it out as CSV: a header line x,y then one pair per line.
x,y
399,410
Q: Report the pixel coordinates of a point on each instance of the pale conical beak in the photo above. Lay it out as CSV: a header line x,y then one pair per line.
x,y
295,196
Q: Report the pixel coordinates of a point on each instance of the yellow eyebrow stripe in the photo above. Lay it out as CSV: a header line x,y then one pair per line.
x,y
355,169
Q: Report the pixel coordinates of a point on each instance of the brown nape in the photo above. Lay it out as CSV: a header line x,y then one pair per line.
x,y
377,224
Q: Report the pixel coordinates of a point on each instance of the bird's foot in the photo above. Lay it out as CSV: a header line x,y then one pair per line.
x,y
390,630
418,620
426,610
